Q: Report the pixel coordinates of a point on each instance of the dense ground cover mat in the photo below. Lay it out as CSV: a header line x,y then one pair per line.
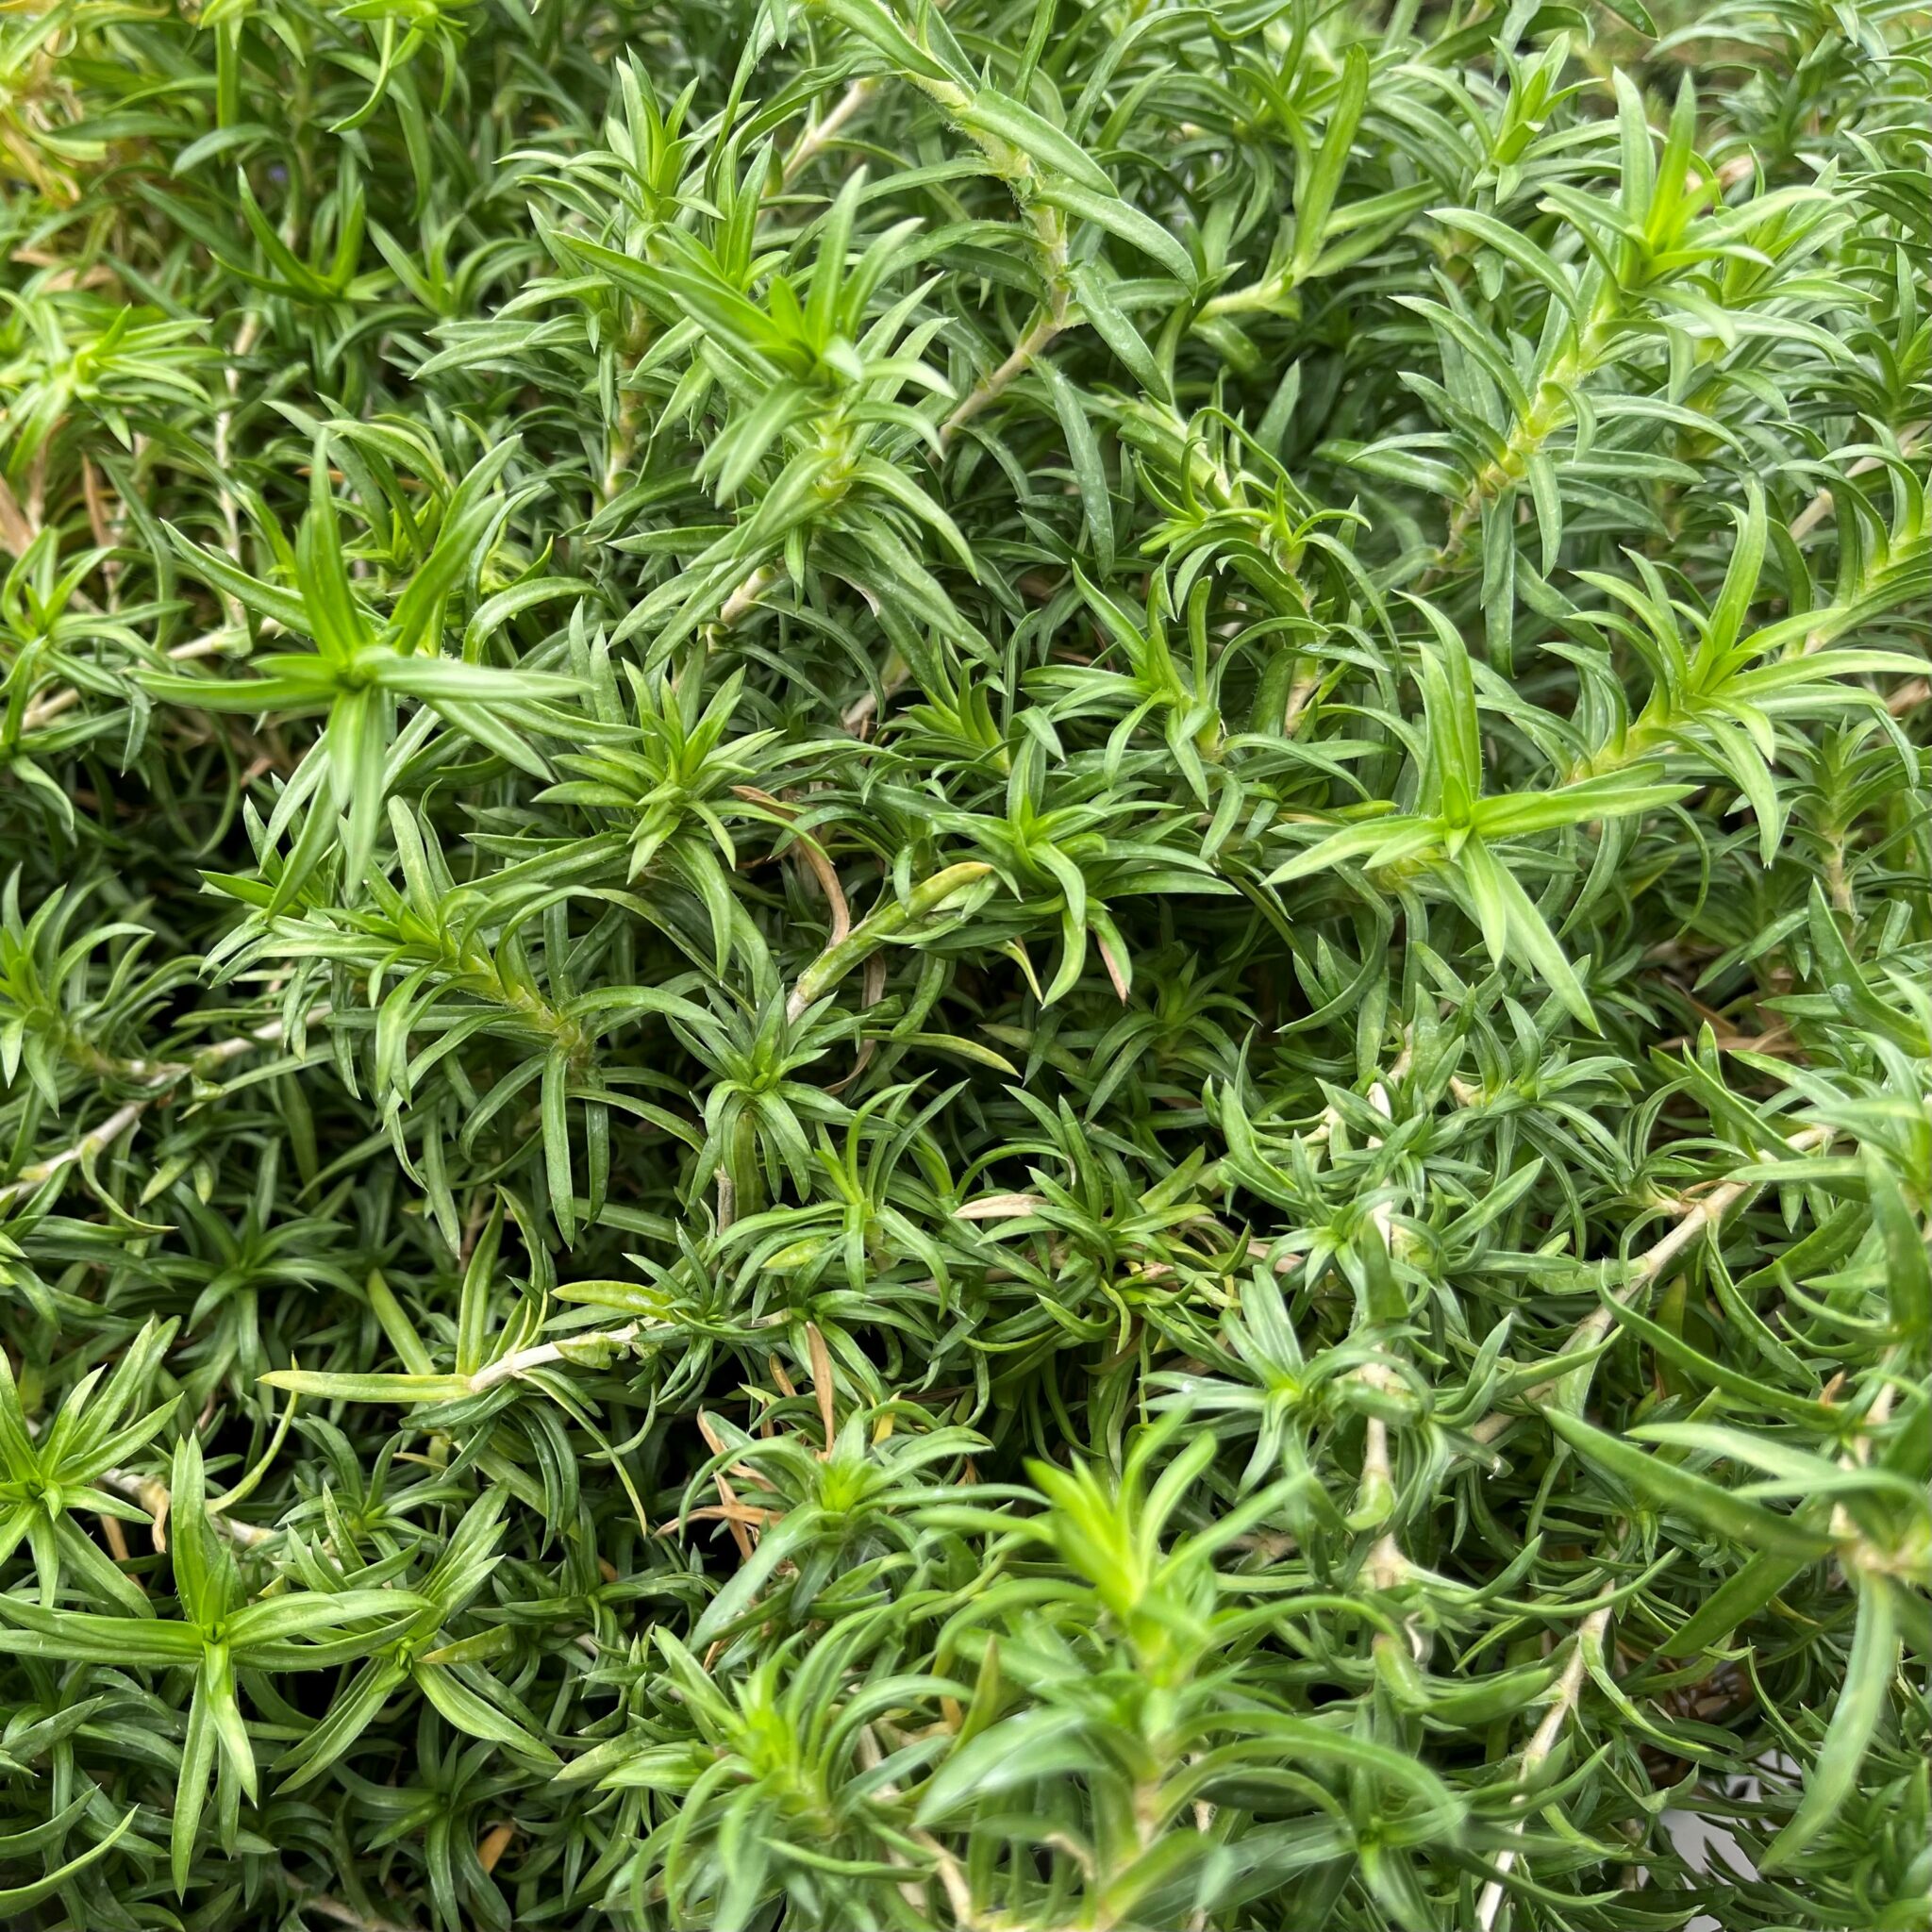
x,y
964,966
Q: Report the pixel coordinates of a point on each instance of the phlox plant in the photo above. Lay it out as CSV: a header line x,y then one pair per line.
x,y
965,965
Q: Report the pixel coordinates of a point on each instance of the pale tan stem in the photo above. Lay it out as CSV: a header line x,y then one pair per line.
x,y
95,1141
244,342
1704,1212
1033,344
818,137
861,713
1820,507
347,1915
164,1076
1385,1564
42,711
1536,1753
543,1353
945,1867
153,1496
1859,1455
1380,1213
747,594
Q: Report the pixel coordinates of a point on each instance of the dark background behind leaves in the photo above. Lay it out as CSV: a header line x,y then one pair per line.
x,y
964,966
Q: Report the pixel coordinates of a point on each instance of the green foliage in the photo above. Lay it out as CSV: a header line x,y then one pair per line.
x,y
964,966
